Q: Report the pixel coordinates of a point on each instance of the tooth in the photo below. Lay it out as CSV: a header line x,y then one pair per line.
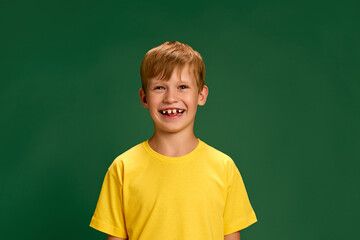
x,y
163,111
180,111
169,111
174,111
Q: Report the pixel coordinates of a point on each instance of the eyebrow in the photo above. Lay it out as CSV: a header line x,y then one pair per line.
x,y
157,81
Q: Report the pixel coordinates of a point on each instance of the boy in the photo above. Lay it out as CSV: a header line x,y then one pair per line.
x,y
173,186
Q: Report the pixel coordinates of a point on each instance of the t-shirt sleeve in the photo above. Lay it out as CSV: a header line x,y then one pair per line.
x,y
238,212
109,213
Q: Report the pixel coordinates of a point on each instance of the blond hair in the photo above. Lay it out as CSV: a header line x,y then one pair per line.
x,y
162,60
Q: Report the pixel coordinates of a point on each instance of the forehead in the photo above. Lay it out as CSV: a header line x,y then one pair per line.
x,y
179,74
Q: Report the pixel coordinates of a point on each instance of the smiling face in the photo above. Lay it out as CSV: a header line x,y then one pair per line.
x,y
173,103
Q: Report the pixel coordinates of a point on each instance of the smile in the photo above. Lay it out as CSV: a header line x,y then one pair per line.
x,y
172,112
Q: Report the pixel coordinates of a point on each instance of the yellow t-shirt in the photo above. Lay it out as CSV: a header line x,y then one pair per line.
x,y
146,195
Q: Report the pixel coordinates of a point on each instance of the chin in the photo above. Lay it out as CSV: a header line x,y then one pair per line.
x,y
174,129
170,130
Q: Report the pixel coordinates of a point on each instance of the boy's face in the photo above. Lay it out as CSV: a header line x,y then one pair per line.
x,y
172,104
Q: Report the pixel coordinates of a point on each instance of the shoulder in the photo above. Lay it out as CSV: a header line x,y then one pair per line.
x,y
217,155
136,152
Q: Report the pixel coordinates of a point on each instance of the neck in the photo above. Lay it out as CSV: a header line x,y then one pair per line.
x,y
173,144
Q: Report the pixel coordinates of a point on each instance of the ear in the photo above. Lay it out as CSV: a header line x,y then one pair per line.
x,y
143,98
203,95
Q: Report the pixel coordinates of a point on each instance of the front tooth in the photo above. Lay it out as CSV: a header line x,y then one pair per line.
x,y
169,111
174,111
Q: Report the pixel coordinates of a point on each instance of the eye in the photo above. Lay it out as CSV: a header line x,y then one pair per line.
x,y
183,87
159,88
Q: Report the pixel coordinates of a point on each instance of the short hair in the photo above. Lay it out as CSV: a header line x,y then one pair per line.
x,y
162,60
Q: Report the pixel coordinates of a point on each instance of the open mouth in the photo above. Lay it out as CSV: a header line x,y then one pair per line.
x,y
172,112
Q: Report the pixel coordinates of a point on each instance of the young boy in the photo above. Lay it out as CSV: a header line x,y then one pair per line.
x,y
173,186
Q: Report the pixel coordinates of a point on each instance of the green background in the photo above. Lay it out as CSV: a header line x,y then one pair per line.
x,y
284,104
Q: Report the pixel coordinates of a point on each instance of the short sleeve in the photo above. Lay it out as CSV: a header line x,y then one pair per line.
x,y
238,212
109,212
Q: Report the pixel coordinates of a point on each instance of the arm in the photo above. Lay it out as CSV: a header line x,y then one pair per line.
x,y
109,237
233,236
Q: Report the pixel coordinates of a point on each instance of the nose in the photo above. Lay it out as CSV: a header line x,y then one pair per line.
x,y
170,96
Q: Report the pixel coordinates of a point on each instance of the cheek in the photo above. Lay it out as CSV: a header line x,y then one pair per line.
x,y
153,101
153,113
192,100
